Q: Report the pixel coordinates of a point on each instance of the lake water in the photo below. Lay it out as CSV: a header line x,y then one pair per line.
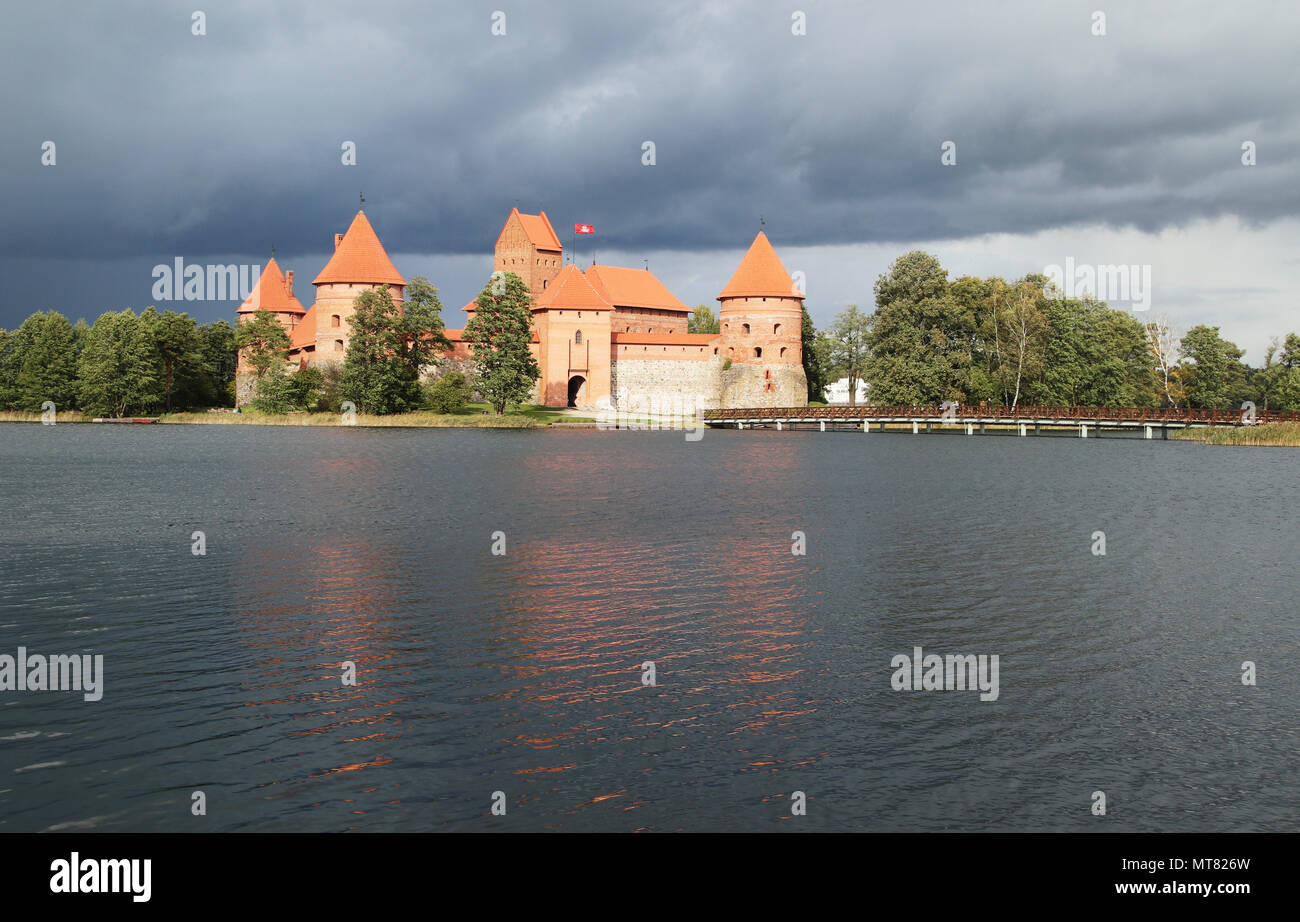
x,y
522,672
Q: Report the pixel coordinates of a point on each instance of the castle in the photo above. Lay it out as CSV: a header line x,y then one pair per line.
x,y
608,337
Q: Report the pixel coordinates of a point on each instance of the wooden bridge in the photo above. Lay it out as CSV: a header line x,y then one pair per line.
x,y
1022,420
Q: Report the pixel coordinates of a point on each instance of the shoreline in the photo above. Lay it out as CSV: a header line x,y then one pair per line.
x,y
1269,435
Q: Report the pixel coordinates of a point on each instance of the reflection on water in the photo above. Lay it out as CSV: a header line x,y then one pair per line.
x,y
522,673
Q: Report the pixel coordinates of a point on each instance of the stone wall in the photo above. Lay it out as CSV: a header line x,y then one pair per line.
x,y
659,385
763,386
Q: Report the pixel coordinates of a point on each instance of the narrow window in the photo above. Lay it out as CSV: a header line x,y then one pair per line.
x,y
334,321
577,338
758,352
338,345
744,328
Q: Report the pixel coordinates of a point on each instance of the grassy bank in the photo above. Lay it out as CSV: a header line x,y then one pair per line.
x,y
63,416
1287,434
474,416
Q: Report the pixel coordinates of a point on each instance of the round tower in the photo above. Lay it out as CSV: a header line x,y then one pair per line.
x,y
761,318
359,263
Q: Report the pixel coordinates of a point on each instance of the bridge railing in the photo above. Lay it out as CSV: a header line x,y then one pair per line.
x,y
1026,413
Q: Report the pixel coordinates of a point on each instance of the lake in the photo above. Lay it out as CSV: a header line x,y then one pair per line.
x,y
522,672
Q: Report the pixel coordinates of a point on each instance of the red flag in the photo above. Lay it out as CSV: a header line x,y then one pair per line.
x,y
583,229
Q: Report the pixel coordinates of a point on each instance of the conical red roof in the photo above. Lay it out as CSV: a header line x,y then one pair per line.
x,y
272,293
360,259
761,275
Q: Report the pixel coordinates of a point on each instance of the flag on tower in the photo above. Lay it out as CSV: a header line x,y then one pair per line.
x,y
583,229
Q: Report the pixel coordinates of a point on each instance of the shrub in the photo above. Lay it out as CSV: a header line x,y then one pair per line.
x,y
449,393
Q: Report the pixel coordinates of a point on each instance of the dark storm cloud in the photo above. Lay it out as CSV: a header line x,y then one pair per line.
x,y
209,146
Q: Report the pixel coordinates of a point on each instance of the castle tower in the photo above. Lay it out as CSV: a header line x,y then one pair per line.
x,y
761,316
359,263
274,293
528,247
572,320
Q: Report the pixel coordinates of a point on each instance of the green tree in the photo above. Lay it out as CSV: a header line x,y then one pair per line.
x,y
119,369
499,336
703,320
49,362
814,361
376,376
279,391
13,347
920,336
449,393
176,338
422,335
847,339
1212,373
263,340
220,359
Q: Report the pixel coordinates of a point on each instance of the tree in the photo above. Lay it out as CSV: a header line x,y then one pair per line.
x,y
814,362
920,335
13,347
1210,377
1020,333
391,346
263,340
449,393
703,320
48,369
499,336
848,338
177,340
279,391
422,340
377,376
1164,338
1280,375
119,370
220,358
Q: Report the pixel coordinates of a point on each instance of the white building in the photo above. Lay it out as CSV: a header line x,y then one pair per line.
x,y
838,393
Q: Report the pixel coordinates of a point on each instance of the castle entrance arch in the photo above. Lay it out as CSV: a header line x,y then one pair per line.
x,y
577,386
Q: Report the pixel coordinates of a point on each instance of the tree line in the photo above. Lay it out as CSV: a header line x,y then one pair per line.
x,y
994,342
124,364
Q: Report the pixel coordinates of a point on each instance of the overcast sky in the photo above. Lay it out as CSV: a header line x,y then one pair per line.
x,y
1116,148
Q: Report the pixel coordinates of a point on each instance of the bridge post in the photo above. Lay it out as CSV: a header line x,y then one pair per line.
x,y
1147,430
970,429
778,425
821,424
915,428
1083,430
866,426
740,425
1022,428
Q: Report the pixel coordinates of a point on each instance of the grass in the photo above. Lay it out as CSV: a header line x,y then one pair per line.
x,y
474,416
63,416
1283,434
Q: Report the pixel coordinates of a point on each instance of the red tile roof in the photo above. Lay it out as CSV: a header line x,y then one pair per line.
x,y
624,287
272,293
539,230
304,334
571,289
360,258
761,275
